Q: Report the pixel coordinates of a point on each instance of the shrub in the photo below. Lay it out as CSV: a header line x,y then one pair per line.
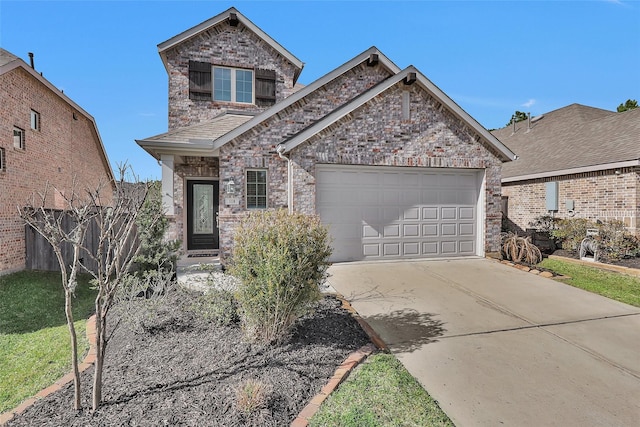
x,y
281,260
616,242
156,254
252,396
545,223
571,231
218,306
520,249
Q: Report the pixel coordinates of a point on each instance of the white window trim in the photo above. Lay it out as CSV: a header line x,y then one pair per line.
x,y
266,189
233,84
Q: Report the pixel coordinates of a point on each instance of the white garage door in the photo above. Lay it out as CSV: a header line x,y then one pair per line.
x,y
393,213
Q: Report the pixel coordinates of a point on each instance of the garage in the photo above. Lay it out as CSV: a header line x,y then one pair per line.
x,y
379,213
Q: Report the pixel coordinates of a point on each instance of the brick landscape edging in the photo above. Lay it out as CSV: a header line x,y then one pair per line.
x,y
353,360
88,361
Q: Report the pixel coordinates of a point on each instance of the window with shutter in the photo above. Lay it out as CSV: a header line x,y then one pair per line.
x,y
265,87
199,80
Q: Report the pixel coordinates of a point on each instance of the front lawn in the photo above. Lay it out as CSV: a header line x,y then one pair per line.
x,y
34,338
619,287
380,392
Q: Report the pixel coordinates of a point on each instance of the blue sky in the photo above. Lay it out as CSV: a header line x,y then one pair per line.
x,y
491,57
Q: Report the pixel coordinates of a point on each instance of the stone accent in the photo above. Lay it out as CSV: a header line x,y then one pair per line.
x,y
602,195
62,150
227,46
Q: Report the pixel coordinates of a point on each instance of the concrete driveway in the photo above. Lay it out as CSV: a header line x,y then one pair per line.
x,y
497,346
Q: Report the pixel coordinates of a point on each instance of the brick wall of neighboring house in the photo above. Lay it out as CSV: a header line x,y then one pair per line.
x,y
256,149
375,134
63,149
602,195
222,45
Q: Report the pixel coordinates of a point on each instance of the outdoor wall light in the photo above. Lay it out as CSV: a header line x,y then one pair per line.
x,y
230,188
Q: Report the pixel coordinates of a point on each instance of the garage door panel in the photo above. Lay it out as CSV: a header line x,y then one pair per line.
x,y
448,213
390,213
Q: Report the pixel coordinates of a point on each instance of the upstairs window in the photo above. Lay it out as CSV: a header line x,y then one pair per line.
x,y
233,85
200,80
3,160
18,138
256,189
35,120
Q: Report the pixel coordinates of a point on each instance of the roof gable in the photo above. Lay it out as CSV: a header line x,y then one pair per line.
x,y
224,17
572,139
410,72
300,94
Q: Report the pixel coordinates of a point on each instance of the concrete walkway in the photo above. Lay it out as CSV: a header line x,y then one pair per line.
x,y
497,346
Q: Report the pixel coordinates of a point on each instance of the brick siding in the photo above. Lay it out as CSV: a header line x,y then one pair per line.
x,y
602,195
222,45
62,150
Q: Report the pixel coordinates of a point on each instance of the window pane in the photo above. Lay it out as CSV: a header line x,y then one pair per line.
x,y
222,84
244,86
256,189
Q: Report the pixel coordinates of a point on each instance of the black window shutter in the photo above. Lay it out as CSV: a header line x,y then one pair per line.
x,y
265,87
199,80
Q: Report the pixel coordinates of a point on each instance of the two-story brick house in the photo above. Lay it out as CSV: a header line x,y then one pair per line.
x,y
45,138
389,162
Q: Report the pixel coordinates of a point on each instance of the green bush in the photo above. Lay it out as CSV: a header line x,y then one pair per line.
x,y
218,306
614,241
156,253
571,231
281,260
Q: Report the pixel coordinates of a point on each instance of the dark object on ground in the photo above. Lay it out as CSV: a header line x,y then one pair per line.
x,y
185,372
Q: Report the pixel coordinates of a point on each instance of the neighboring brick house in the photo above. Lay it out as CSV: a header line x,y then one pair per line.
x,y
583,161
390,163
44,138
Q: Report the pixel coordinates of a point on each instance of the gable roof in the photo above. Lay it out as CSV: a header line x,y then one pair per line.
x,y
572,139
9,62
425,83
295,97
222,17
195,139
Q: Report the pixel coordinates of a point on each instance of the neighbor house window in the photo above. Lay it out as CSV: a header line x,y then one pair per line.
x,y
35,120
256,189
232,85
18,138
3,160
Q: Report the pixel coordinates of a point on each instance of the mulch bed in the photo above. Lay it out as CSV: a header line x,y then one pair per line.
x,y
184,371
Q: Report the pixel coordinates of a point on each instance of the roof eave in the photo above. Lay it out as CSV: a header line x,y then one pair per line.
x,y
571,171
191,32
157,148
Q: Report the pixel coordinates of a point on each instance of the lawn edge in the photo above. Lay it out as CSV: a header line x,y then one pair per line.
x,y
343,371
88,361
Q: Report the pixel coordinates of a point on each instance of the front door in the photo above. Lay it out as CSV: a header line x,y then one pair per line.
x,y
202,212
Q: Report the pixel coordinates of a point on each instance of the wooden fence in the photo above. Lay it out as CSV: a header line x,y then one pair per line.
x,y
40,254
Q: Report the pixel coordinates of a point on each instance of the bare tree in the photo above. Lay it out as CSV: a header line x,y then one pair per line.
x,y
118,246
108,255
52,226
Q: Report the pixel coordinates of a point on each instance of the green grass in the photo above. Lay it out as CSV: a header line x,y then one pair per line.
x,y
617,286
380,392
34,338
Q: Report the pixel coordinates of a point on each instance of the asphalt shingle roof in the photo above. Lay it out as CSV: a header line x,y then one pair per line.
x,y
575,136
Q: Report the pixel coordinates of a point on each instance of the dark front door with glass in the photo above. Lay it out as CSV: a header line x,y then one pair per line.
x,y
202,213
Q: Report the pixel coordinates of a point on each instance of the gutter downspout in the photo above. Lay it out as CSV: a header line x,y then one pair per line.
x,y
280,150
